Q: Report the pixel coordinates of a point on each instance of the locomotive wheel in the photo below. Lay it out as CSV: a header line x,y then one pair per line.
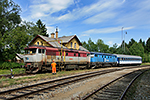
x,y
35,70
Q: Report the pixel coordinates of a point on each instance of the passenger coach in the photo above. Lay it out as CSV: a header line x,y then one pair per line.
x,y
128,60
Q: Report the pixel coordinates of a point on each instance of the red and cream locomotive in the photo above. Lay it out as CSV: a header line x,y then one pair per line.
x,y
39,58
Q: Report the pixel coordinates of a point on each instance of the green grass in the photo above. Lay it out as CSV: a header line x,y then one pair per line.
x,y
4,82
15,71
145,64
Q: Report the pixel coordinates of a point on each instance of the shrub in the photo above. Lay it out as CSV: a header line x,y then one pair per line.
x,y
5,65
9,65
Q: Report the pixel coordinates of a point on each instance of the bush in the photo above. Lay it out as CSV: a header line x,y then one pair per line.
x,y
5,65
9,65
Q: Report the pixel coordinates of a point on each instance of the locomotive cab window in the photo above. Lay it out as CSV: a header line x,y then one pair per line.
x,y
30,51
41,51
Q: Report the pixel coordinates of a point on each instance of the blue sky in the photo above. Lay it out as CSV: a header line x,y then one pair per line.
x,y
95,19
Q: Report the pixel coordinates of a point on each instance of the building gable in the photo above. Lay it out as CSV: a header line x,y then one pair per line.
x,y
40,42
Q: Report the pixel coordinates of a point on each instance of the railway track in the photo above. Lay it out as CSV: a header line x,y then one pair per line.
x,y
116,89
36,88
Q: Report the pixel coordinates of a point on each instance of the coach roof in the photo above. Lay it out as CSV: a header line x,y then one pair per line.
x,y
127,56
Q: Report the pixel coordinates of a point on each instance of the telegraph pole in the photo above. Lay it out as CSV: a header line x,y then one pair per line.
x,y
122,38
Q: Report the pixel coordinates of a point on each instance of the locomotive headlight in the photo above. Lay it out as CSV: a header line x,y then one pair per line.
x,y
27,58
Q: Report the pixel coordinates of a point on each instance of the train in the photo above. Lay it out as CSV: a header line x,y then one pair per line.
x,y
39,58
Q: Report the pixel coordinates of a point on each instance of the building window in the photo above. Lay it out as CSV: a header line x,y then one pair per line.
x,y
75,45
41,43
37,43
71,44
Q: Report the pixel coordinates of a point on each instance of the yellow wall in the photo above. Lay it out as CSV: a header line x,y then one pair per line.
x,y
39,40
73,44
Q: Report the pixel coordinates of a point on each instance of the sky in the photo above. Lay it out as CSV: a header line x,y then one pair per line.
x,y
108,20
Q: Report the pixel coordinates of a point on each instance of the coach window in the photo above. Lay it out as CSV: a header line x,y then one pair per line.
x,y
74,54
96,55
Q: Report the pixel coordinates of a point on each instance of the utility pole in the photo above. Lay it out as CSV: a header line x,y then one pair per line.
x,y
122,38
124,41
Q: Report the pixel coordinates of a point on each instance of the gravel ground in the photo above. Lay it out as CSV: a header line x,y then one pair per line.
x,y
77,90
143,89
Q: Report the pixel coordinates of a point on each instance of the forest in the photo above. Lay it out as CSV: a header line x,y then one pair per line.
x,y
140,48
15,34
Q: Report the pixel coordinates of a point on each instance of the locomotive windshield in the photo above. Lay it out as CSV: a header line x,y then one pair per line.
x,y
30,51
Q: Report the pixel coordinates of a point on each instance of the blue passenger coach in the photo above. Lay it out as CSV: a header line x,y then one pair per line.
x,y
128,60
102,59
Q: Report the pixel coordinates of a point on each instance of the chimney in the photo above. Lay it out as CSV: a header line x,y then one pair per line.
x,y
56,32
52,35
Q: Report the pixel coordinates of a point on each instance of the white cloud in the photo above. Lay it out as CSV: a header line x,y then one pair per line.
x,y
110,42
139,15
100,18
50,30
94,13
47,7
106,30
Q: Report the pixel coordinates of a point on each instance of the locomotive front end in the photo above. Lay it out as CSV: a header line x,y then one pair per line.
x,y
32,60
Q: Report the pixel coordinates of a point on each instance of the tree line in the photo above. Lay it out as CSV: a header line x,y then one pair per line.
x,y
140,48
15,34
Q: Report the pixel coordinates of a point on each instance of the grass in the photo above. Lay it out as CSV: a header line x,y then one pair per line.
x,y
15,71
145,64
4,82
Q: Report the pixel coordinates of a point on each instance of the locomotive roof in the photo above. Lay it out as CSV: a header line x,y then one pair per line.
x,y
127,56
103,53
51,48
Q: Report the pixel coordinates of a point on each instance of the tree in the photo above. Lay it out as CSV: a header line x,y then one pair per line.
x,y
147,47
101,46
16,41
143,43
91,46
9,16
131,43
9,19
42,28
137,49
113,49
